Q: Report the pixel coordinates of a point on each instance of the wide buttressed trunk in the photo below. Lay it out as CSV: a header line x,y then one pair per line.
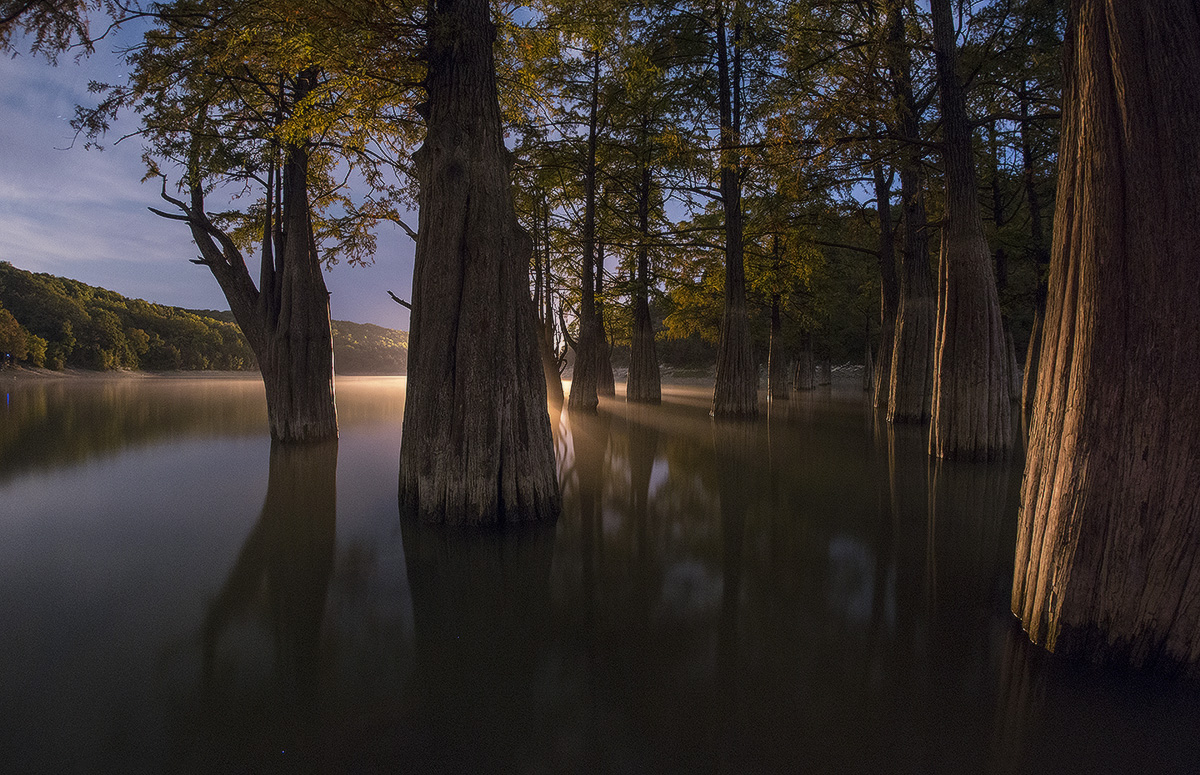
x,y
296,351
971,412
286,319
477,446
1107,563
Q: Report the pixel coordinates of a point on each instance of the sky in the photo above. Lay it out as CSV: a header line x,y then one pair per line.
x,y
82,213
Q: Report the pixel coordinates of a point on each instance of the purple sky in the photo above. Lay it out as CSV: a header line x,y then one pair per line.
x,y
82,214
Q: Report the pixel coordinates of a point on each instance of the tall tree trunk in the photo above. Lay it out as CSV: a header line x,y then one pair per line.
x,y
777,360
971,411
806,365
889,289
910,381
554,386
295,354
585,380
477,446
736,391
1107,564
285,320
644,383
554,389
606,384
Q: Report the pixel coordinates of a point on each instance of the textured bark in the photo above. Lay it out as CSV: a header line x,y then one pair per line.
x,y
889,290
1041,257
806,377
736,391
1029,378
477,446
971,412
584,379
910,373
554,389
1108,561
286,318
644,384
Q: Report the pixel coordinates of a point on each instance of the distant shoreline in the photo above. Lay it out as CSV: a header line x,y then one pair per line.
x,y
34,373
23,373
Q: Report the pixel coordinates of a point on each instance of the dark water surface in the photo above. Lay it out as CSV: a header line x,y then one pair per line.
x,y
802,594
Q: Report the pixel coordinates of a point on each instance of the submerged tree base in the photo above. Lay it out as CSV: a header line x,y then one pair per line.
x,y
477,446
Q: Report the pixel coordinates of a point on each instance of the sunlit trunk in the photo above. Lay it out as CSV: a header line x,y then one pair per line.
x,y
1107,565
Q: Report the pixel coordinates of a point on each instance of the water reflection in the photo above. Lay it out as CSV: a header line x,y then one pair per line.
x,y
56,422
277,590
802,593
481,614
282,572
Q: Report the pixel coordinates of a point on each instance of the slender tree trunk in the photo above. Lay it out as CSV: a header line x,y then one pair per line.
x,y
584,381
1108,565
971,410
736,391
606,384
910,381
554,388
806,367
643,384
477,447
541,300
777,361
889,289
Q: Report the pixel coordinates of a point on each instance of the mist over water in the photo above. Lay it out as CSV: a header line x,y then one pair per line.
x,y
805,593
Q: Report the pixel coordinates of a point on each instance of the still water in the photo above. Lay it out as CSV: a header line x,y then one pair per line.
x,y
806,593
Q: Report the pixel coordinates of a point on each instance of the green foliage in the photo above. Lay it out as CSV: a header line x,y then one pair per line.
x,y
226,90
68,323
72,324
52,27
14,339
363,348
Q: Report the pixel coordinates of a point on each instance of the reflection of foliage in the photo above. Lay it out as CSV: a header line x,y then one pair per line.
x,y
53,422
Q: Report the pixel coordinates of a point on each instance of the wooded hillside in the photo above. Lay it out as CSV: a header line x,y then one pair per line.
x,y
57,322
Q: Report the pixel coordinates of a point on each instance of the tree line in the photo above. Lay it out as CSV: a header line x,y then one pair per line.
x,y
725,156
55,322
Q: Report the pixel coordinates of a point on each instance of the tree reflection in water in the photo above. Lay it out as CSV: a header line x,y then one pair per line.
x,y
280,579
481,615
